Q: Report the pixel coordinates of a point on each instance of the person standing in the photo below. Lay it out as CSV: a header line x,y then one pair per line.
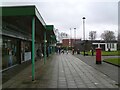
x,y
67,50
92,52
59,50
10,58
73,51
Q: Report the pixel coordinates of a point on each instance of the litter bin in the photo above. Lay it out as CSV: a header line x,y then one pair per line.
x,y
98,55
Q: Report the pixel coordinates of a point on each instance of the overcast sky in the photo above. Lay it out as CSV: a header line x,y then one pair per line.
x,y
66,14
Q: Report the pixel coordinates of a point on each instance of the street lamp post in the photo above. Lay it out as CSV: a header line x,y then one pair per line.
x,y
83,28
74,37
71,38
84,33
75,32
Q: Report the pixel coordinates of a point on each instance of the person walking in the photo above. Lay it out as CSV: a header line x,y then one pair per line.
x,y
67,51
73,51
59,50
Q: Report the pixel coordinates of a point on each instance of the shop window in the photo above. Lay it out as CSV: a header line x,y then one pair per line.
x,y
9,50
112,45
25,50
107,45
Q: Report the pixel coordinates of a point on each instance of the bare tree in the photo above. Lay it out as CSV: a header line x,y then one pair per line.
x,y
108,35
64,35
92,35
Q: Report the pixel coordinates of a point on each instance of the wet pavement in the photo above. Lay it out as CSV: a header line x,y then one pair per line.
x,y
10,73
61,71
108,69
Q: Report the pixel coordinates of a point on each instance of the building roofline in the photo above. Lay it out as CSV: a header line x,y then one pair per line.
x,y
28,10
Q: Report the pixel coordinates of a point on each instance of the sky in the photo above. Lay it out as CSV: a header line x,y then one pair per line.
x,y
65,14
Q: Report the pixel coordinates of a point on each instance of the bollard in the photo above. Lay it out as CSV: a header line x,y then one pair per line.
x,y
98,55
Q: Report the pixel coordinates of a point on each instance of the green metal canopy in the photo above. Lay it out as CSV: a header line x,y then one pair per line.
x,y
50,27
50,32
19,18
22,11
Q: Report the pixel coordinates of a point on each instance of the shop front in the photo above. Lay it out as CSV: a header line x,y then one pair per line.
x,y
20,32
14,51
25,51
9,52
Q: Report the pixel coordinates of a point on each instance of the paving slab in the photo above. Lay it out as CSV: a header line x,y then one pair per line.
x,y
61,71
107,69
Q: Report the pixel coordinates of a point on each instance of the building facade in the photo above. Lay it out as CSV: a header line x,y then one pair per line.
x,y
70,42
105,46
23,33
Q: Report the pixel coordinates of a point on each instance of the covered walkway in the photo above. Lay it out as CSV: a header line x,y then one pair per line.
x,y
25,36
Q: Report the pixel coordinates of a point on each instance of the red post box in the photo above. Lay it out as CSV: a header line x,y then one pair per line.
x,y
98,55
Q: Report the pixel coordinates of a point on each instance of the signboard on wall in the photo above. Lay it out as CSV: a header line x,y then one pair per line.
x,y
27,56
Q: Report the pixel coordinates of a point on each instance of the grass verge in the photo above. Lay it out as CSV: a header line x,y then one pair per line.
x,y
115,61
104,53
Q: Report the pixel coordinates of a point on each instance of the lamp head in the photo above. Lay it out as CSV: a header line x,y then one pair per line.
x,y
83,18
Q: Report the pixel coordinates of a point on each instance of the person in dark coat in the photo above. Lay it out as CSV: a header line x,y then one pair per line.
x,y
73,51
59,50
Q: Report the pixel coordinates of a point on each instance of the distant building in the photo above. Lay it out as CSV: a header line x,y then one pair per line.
x,y
112,45
69,42
105,46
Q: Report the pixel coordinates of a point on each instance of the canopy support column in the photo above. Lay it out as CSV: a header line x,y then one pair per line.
x,y
45,47
33,48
